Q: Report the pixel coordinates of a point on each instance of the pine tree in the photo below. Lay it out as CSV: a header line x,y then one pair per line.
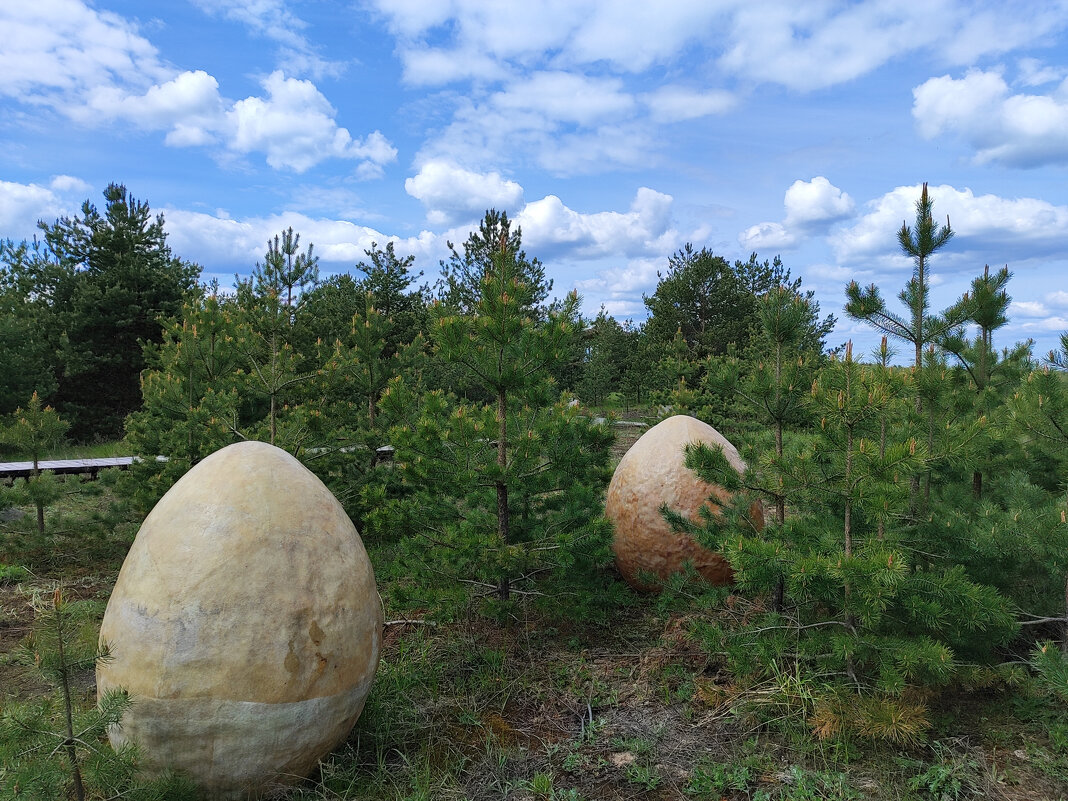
x,y
55,748
28,342
920,328
983,381
867,614
460,286
35,430
769,388
271,301
116,279
191,395
509,491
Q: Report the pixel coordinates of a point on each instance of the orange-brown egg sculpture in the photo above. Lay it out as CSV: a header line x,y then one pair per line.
x,y
653,473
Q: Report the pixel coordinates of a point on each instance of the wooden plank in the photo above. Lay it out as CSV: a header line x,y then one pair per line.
x,y
64,466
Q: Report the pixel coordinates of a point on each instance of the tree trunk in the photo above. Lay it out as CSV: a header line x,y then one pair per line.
x,y
502,487
780,515
40,506
1064,630
68,745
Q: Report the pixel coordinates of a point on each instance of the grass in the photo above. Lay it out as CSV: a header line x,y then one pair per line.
x,y
539,708
98,450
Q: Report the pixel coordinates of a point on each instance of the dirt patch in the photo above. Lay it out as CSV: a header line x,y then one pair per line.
x,y
17,679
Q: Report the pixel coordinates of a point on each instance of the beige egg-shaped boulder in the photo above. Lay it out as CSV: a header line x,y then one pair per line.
x,y
245,624
653,473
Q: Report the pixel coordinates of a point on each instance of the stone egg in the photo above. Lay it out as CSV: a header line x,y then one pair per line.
x,y
245,625
652,473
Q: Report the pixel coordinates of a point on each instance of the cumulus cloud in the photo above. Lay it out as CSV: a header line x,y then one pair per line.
x,y
1017,129
220,242
551,227
292,124
551,230
451,193
554,83
811,207
22,205
55,50
1028,308
189,104
95,68
767,236
1035,317
68,184
989,228
1058,299
555,133
816,203
295,126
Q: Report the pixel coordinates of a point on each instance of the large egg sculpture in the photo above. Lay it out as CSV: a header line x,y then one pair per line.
x,y
245,625
653,473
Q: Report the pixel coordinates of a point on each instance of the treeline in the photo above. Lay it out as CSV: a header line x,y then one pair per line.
x,y
916,535
98,299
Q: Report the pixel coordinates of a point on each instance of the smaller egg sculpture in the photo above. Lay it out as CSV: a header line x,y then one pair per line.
x,y
653,473
245,624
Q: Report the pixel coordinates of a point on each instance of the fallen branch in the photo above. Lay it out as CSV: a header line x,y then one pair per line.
x,y
412,622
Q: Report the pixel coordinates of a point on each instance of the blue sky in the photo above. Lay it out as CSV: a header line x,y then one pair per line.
x,y
613,131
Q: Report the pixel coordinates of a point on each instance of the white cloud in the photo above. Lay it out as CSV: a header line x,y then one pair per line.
x,y
809,46
551,227
1028,308
95,68
766,236
189,104
431,67
55,50
219,242
553,232
581,86
1058,299
802,46
639,275
566,97
555,134
451,193
273,20
816,202
1020,130
22,205
678,103
989,228
1033,72
68,183
1054,324
811,207
295,126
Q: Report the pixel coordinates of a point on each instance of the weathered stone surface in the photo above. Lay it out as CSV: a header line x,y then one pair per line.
x,y
652,473
245,624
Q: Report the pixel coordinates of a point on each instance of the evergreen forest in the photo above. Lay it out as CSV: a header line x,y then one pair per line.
x,y
897,629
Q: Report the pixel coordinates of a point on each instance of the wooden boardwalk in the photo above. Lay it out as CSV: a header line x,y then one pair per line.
x,y
62,467
67,467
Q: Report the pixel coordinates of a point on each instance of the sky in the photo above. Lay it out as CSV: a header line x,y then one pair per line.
x,y
612,131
